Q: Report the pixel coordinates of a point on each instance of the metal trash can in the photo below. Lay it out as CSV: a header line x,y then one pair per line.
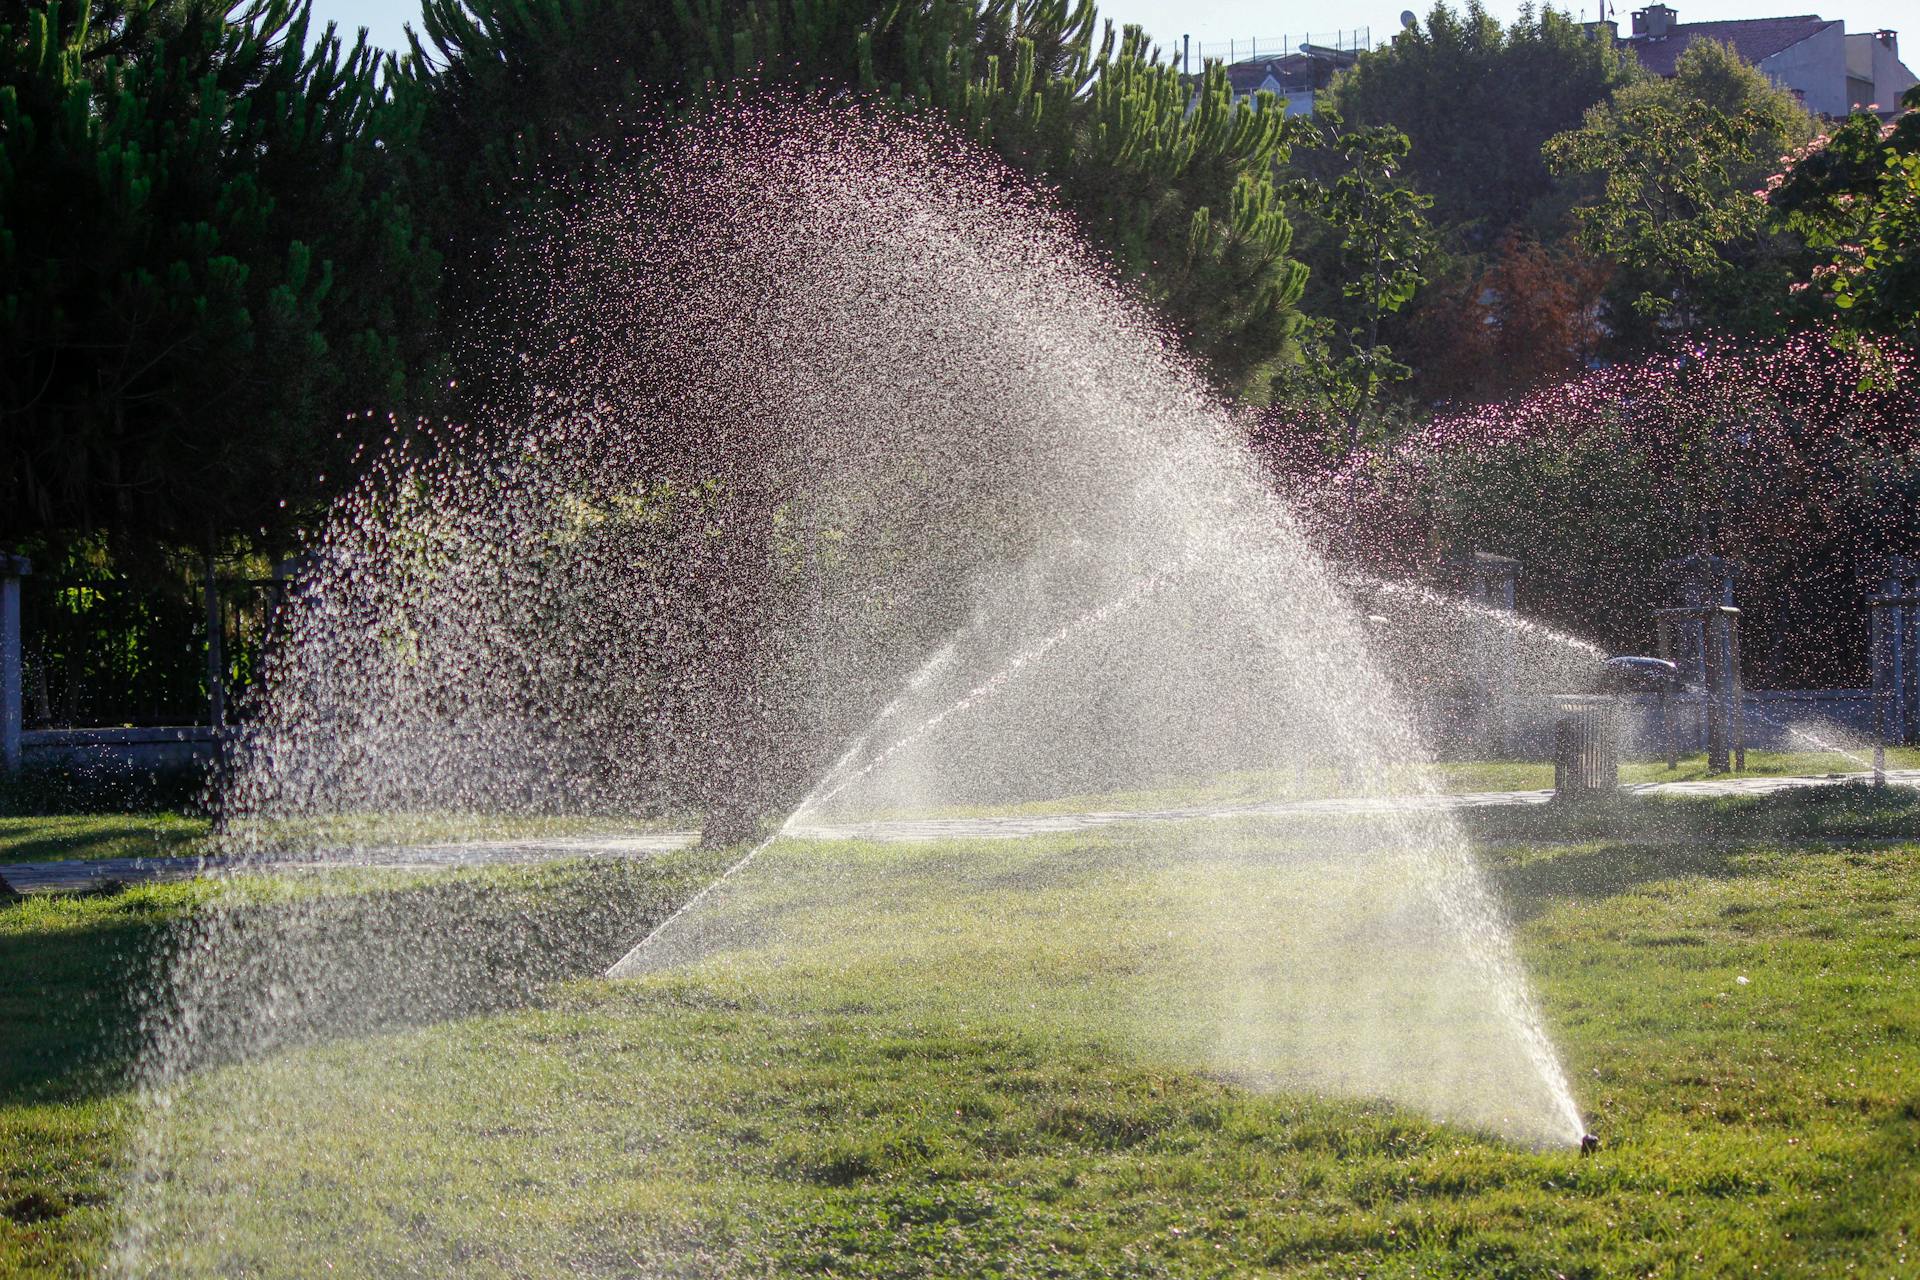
x,y
1586,755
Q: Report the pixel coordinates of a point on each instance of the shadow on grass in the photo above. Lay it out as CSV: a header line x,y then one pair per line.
x,y
72,836
1840,811
40,790
1619,845
258,967
1606,870
69,1004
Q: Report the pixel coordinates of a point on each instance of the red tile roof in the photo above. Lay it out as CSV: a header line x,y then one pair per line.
x,y
1754,39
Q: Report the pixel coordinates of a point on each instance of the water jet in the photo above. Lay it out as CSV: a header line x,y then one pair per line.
x,y
836,395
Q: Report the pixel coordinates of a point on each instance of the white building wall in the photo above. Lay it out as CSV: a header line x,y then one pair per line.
x,y
1876,60
1817,68
1860,56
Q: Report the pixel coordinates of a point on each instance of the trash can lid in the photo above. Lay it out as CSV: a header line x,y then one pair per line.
x,y
1630,671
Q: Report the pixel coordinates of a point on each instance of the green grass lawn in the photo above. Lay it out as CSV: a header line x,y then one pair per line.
x,y
163,834
983,1079
171,834
94,835
1453,776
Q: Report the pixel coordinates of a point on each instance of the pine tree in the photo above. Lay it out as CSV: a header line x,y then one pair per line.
x,y
522,102
201,265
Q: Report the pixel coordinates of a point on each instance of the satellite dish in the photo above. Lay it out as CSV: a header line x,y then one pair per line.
x,y
1407,19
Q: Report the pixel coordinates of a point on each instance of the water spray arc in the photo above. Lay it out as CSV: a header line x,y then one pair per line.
x,y
836,780
863,320
987,689
630,963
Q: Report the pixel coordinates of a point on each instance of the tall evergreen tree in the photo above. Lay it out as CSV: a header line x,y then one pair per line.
x,y
520,99
202,264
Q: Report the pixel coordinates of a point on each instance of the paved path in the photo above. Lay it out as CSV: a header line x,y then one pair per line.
x,y
80,874
39,877
1012,828
1007,828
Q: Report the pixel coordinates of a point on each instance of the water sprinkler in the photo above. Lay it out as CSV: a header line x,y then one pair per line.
x,y
1589,1143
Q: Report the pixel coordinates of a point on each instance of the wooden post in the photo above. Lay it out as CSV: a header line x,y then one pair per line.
x,y
216,663
1665,630
1711,659
1895,659
1717,629
12,682
1878,678
1906,617
1730,619
1706,625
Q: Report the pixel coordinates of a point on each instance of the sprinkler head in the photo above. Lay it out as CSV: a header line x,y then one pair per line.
x,y
1589,1143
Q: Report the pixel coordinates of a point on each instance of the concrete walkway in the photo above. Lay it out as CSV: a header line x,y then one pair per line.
x,y
77,875
1008,828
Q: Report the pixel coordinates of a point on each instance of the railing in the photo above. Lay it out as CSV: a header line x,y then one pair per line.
x,y
1254,48
104,652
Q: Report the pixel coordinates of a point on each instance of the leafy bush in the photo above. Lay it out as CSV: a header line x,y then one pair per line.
x,y
1796,458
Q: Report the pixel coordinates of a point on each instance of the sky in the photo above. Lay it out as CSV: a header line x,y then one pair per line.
x,y
1247,21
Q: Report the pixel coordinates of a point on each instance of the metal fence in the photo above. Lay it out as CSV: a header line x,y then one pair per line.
x,y
106,652
1254,48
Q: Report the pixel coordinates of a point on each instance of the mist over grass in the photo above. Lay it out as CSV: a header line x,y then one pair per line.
x,y
851,1117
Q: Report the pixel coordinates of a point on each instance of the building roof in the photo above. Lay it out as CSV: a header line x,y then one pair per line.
x,y
1247,77
1754,39
1307,67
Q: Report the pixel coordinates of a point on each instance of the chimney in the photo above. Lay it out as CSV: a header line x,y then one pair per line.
x,y
1654,22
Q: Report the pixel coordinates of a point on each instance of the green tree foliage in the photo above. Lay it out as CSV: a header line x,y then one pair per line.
x,y
1803,455
199,265
1477,101
1855,196
1676,163
521,99
1377,230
